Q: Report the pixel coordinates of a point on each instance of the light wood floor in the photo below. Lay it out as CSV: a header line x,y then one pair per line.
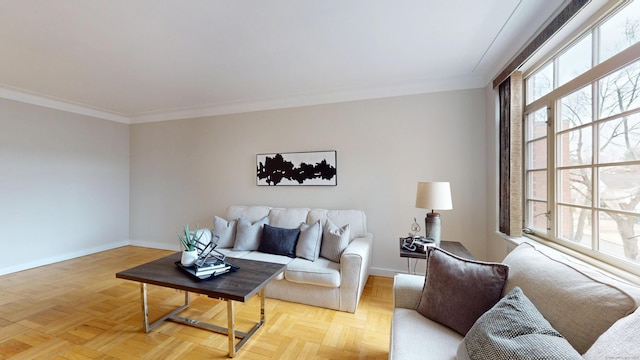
x,y
77,309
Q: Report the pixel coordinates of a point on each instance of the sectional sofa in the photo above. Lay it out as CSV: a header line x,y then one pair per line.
x,y
573,311
327,252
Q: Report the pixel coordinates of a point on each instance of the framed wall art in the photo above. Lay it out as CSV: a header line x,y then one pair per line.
x,y
297,168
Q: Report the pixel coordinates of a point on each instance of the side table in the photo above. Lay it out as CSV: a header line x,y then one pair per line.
x,y
453,247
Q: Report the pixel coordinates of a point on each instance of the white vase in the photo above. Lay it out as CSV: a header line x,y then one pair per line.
x,y
189,257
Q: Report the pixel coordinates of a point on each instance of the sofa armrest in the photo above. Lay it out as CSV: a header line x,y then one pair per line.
x,y
354,271
407,290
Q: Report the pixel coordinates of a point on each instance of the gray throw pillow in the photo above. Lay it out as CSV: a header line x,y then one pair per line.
x,y
334,241
308,246
515,329
224,232
457,291
279,241
248,235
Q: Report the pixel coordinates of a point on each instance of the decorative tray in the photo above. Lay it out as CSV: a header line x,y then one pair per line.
x,y
191,271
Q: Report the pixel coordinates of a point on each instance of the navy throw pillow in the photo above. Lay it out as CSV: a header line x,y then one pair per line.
x,y
279,241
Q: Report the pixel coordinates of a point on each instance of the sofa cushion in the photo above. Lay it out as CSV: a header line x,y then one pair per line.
x,y
287,218
334,241
279,241
224,232
457,291
260,256
414,337
355,218
248,234
514,329
322,272
577,300
229,252
619,342
309,241
251,213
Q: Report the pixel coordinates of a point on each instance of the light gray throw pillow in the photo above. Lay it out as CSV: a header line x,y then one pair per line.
x,y
224,232
309,241
515,329
619,342
248,235
334,241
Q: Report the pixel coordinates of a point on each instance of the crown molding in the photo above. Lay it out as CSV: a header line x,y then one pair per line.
x,y
44,101
370,93
365,93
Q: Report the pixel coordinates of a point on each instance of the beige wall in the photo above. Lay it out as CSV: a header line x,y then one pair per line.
x,y
64,185
186,171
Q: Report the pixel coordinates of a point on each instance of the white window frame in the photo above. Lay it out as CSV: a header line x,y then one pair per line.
x,y
548,101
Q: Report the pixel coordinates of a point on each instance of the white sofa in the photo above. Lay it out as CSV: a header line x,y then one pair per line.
x,y
323,283
596,313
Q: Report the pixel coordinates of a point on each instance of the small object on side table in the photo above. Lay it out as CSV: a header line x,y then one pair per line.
x,y
453,247
417,243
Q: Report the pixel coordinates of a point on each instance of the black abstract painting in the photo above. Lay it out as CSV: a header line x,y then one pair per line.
x,y
301,168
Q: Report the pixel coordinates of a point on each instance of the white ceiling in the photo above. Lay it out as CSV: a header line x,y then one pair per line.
x,y
147,60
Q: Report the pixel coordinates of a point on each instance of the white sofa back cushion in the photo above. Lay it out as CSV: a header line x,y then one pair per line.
x,y
287,218
355,218
580,302
251,213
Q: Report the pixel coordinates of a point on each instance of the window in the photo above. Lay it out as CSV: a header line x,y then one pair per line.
x,y
582,142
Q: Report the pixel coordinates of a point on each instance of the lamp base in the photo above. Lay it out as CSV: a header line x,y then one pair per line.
x,y
433,223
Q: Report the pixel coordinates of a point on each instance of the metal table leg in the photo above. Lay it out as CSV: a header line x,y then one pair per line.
x,y
230,330
145,309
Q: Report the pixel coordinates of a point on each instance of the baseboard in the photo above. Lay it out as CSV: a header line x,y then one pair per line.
x,y
62,257
384,272
154,245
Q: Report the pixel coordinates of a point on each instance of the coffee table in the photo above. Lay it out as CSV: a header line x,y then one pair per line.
x,y
249,280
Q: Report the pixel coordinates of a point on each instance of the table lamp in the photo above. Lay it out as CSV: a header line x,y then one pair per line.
x,y
434,196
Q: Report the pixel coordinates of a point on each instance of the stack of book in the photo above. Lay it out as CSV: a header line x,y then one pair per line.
x,y
212,267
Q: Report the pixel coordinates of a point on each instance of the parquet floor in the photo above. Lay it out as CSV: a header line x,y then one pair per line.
x,y
77,309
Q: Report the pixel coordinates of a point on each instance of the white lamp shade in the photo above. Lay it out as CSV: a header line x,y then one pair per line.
x,y
434,195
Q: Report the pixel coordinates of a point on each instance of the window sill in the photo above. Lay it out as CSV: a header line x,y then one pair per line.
x,y
620,269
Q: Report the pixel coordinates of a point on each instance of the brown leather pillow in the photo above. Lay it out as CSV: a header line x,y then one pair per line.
x,y
458,291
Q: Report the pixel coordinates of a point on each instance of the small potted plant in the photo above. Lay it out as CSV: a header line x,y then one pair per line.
x,y
189,241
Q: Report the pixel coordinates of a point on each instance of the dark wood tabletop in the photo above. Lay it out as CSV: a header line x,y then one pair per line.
x,y
453,247
239,285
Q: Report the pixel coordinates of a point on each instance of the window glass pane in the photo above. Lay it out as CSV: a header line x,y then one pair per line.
x,y
575,147
574,224
621,31
574,186
537,154
619,139
540,83
537,216
575,109
574,61
590,183
619,187
619,235
537,124
620,91
537,184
